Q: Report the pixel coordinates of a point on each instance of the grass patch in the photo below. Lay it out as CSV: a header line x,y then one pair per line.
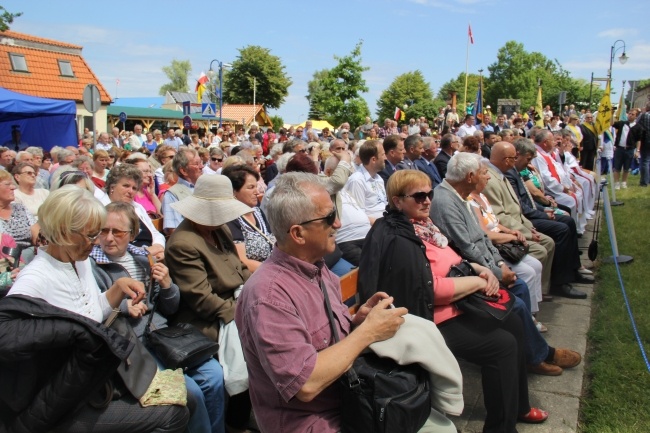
x,y
617,397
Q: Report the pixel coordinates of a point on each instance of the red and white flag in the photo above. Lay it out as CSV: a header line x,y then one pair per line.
x,y
398,114
469,33
201,81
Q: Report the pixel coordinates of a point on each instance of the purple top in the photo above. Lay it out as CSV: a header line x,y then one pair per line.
x,y
283,324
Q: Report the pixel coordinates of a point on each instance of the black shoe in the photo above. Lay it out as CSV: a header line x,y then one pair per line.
x,y
568,291
583,279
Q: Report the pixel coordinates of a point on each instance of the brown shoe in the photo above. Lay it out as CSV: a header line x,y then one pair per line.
x,y
545,369
566,358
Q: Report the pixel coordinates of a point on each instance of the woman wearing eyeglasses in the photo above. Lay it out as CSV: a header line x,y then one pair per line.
x,y
406,256
215,162
27,193
53,393
114,258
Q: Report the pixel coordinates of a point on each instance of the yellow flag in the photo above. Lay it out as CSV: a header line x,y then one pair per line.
x,y
604,118
539,109
199,92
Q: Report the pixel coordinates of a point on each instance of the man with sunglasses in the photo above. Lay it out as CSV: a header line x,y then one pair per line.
x,y
365,185
292,360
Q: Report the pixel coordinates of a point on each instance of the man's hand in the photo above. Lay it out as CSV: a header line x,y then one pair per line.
x,y
342,155
518,236
383,322
367,307
535,235
508,279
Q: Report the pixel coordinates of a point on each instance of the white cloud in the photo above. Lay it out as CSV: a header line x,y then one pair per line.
x,y
617,33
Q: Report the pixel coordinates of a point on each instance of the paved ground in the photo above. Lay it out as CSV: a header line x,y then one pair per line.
x,y
568,321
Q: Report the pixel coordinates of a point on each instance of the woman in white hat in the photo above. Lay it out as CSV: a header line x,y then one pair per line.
x,y
203,261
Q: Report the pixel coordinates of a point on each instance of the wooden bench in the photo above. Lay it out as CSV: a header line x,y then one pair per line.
x,y
349,294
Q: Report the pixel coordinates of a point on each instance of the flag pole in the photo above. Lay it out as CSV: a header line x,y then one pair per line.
x,y
466,71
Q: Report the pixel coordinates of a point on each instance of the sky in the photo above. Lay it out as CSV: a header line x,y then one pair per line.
x,y
132,40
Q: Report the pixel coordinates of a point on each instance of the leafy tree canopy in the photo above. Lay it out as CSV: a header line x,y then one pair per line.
x,y
334,94
177,72
256,66
7,18
406,89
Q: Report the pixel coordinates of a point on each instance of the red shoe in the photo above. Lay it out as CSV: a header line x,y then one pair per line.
x,y
535,416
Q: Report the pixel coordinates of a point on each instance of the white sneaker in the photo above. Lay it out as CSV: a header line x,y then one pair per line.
x,y
624,185
617,186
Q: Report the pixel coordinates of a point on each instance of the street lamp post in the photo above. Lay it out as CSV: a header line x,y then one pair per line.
x,y
623,58
211,74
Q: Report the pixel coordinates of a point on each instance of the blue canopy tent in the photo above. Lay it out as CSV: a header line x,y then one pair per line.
x,y
43,122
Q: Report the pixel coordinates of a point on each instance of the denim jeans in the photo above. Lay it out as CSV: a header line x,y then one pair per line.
x,y
205,383
645,167
342,267
536,347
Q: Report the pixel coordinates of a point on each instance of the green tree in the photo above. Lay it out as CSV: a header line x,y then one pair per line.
x,y
315,93
256,67
277,121
334,94
406,89
7,18
516,72
458,85
427,108
177,72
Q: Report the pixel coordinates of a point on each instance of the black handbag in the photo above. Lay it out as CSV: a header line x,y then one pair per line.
x,y
177,346
513,252
478,304
379,395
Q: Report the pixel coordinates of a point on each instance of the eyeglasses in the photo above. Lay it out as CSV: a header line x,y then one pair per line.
x,y
117,234
329,218
303,151
217,159
91,238
420,197
29,173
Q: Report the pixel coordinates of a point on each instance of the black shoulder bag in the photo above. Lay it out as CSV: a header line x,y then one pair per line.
x,y
379,395
177,346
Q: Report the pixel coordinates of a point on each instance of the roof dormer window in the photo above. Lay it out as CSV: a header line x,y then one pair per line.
x,y
65,67
18,62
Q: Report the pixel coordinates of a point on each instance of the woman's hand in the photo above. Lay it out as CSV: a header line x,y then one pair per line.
x,y
492,286
125,287
518,236
369,305
160,273
156,250
136,311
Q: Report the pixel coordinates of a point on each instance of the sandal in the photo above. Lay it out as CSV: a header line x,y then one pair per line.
x,y
535,416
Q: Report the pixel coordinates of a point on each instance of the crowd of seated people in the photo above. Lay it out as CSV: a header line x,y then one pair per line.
x,y
224,237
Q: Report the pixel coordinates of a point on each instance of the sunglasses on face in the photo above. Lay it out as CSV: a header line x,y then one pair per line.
x,y
421,196
217,159
117,234
329,218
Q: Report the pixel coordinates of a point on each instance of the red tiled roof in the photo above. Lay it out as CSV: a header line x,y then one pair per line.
x,y
30,38
44,78
241,111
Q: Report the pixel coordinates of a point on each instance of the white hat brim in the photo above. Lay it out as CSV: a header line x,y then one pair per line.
x,y
210,212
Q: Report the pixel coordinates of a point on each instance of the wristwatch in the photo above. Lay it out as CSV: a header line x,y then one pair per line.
x,y
500,263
